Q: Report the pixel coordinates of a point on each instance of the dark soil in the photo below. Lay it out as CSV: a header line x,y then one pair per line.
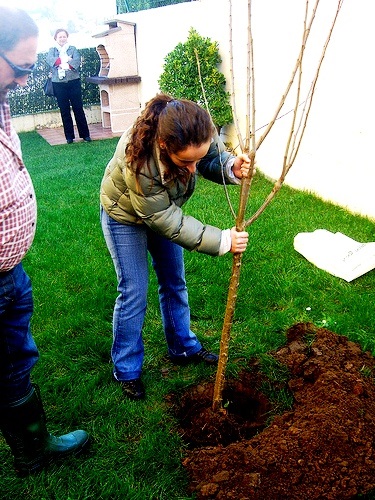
x,y
320,447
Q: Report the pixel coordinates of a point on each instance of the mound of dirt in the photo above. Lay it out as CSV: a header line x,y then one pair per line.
x,y
321,448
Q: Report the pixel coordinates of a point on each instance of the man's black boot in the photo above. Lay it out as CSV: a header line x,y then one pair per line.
x,y
23,425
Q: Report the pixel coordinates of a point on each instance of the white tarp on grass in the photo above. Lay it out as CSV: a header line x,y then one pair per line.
x,y
336,253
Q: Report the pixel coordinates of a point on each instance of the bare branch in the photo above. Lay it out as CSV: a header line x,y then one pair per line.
x,y
291,81
306,112
234,107
293,144
201,82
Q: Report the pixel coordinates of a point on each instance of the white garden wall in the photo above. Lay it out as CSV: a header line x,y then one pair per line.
x,y
335,160
51,119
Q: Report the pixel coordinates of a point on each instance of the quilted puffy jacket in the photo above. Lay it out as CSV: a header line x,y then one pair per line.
x,y
159,204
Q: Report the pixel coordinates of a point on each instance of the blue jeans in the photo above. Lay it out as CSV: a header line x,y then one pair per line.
x,y
129,246
18,352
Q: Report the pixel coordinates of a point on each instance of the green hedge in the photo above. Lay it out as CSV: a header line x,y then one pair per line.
x,y
124,6
31,100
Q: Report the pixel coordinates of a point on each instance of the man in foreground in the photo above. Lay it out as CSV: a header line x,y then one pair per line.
x,y
22,418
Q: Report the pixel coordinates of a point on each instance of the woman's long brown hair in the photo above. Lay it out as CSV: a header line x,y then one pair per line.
x,y
177,123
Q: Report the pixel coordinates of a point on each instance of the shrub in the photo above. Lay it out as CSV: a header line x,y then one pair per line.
x,y
180,77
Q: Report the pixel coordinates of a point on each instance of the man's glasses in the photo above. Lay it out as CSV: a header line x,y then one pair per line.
x,y
18,70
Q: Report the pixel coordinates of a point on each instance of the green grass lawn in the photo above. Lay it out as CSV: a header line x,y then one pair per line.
x,y
136,452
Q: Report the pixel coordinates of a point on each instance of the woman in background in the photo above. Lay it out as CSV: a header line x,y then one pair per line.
x,y
65,62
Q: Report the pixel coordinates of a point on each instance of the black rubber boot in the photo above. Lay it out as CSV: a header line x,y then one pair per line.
x,y
23,425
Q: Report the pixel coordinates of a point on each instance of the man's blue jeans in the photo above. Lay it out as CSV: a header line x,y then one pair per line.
x,y
18,352
129,246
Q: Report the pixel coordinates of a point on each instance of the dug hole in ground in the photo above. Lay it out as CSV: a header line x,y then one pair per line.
x,y
320,448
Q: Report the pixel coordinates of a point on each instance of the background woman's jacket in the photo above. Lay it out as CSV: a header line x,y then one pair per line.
x,y
159,204
75,63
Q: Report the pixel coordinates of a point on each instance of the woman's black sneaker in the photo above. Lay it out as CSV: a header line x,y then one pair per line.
x,y
133,389
207,357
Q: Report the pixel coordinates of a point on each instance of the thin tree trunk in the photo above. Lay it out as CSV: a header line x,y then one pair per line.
x,y
232,296
225,334
292,147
